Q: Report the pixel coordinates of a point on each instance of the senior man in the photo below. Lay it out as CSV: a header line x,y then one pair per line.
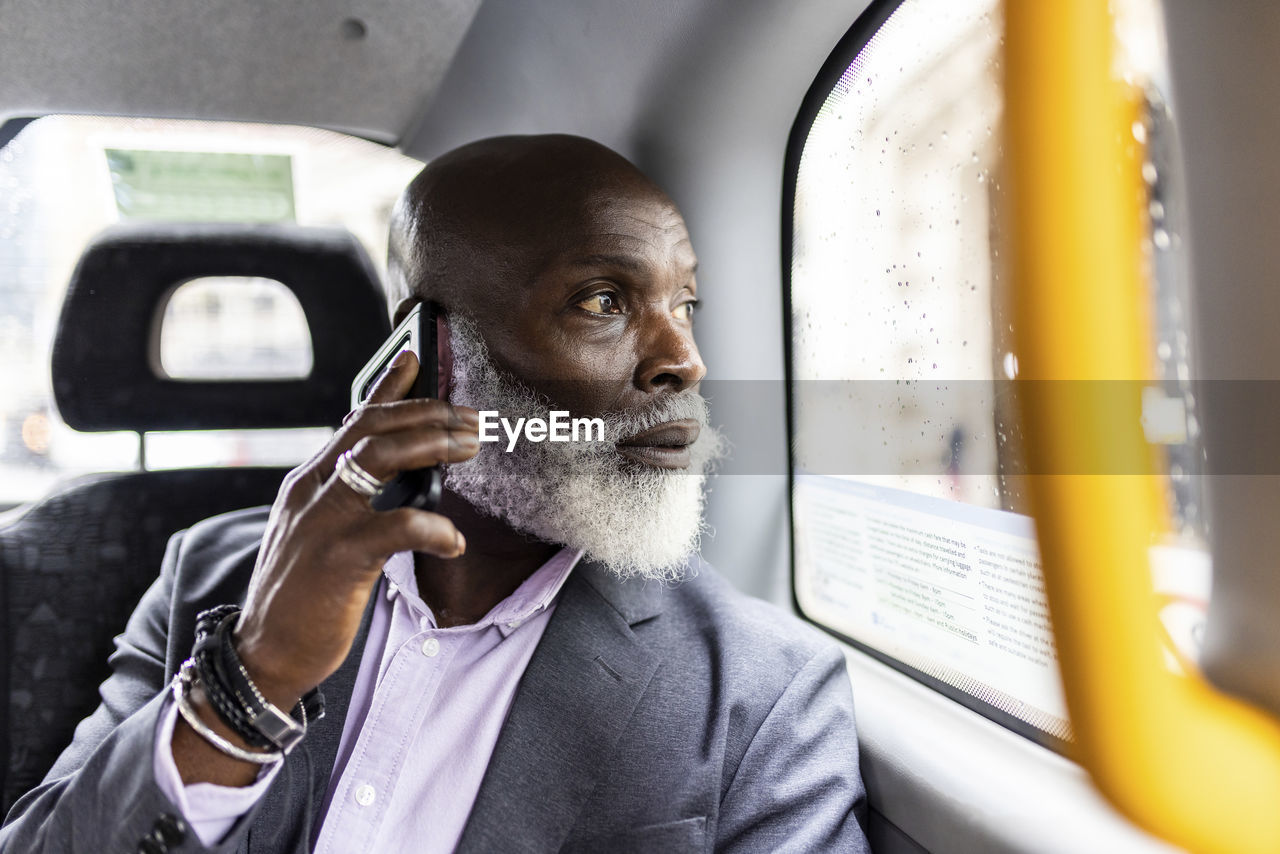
x,y
542,664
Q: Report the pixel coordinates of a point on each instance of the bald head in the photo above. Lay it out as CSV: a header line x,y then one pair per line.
x,y
487,215
575,268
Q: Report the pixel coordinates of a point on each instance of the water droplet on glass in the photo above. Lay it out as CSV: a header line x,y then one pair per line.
x,y
1010,365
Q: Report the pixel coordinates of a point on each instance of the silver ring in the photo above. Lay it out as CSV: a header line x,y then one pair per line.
x,y
353,475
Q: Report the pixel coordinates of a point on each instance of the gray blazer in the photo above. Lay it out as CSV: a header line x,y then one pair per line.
x,y
651,719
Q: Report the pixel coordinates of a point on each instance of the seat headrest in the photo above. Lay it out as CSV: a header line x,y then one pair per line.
x,y
104,352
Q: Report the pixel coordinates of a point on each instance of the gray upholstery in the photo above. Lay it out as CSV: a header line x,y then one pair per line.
x,y
74,567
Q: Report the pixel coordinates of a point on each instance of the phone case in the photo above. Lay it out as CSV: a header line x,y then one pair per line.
x,y
420,488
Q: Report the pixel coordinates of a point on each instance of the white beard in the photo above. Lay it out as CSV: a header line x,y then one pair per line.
x,y
637,521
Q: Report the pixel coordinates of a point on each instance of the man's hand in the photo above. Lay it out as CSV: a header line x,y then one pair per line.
x,y
325,546
324,549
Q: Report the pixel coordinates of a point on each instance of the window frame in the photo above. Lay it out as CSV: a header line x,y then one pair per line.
x,y
864,29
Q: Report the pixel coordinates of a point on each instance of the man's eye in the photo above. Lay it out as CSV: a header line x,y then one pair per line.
x,y
605,303
684,311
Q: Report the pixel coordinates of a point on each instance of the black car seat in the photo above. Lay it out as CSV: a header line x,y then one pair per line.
x,y
74,564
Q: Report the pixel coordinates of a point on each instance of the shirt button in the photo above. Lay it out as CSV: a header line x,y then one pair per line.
x,y
430,647
365,795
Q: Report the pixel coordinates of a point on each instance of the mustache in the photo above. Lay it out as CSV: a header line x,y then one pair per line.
x,y
512,396
678,406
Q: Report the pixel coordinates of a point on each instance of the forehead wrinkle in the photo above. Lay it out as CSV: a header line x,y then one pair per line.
x,y
666,220
631,263
637,263
648,240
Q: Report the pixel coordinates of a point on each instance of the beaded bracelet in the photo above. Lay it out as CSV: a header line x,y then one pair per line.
x,y
207,658
232,693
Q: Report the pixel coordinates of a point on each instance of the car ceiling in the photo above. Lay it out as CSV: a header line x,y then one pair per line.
x,y
422,74
367,68
578,66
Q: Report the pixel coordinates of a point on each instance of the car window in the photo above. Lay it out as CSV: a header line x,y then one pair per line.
x,y
912,533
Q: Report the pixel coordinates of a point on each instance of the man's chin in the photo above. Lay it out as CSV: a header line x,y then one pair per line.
x,y
642,523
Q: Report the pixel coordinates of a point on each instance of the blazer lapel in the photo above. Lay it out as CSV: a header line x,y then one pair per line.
x,y
580,688
290,808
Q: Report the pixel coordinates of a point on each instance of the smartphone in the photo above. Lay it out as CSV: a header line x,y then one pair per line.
x,y
420,488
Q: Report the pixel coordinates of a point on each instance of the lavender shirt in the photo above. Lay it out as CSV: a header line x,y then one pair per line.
x,y
423,722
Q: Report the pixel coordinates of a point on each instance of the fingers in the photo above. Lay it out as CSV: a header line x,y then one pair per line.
x,y
388,454
396,380
419,414
411,414
388,435
406,529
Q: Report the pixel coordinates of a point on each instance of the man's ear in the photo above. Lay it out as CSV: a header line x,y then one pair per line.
x,y
444,356
402,310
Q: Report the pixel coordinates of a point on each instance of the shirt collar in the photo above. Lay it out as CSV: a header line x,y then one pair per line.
x,y
535,594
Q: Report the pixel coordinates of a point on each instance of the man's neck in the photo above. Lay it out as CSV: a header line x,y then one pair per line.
x,y
498,559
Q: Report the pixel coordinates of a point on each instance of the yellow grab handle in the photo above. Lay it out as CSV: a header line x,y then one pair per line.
x,y
1188,763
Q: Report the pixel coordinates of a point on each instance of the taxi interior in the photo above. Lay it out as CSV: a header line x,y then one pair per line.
x,y
829,156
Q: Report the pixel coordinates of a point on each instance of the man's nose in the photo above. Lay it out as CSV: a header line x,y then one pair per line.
x,y
670,359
